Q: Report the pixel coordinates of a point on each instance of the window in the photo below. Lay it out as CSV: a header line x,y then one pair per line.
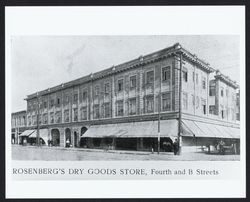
x,y
203,103
166,101
150,77
106,88
166,73
34,120
106,110
203,83
149,104
44,104
227,92
197,78
58,101
193,100
212,109
212,89
132,106
66,101
84,96
29,120
51,103
45,118
132,81
75,98
193,77
58,117
120,108
52,117
75,110
66,115
222,113
197,102
97,90
185,74
84,113
120,85
185,100
96,112
222,92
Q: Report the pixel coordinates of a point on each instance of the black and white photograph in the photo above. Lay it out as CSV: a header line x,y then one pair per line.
x,y
76,105
125,101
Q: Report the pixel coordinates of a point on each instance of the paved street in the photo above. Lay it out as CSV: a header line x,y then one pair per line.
x,y
79,154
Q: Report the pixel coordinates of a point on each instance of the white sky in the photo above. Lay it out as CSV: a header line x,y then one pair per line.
x,y
40,62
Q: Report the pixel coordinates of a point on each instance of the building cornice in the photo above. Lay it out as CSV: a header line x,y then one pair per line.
x,y
174,50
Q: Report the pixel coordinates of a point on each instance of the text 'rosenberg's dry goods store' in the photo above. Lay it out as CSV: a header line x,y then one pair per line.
x,y
131,105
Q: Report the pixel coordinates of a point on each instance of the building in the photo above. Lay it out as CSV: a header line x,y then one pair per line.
x,y
131,105
18,125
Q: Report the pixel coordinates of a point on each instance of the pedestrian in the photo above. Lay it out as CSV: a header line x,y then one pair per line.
x,y
221,147
67,143
176,146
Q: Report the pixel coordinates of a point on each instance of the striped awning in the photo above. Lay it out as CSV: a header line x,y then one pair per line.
x,y
26,133
204,129
43,133
168,128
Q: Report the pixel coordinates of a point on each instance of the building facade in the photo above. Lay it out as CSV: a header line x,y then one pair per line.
x,y
131,105
18,125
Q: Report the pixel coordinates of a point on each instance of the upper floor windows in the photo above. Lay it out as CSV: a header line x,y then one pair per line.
x,y
106,88
120,85
149,104
58,101
75,110
150,77
133,81
222,92
120,111
132,106
185,100
97,91
203,83
185,74
66,115
166,101
84,96
197,78
75,98
96,114
193,77
166,74
83,113
212,89
51,103
107,110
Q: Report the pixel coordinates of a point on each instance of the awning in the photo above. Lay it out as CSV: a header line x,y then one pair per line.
x,y
168,128
43,133
202,129
26,133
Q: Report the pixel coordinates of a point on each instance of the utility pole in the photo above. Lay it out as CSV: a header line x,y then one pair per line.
x,y
38,114
180,106
159,118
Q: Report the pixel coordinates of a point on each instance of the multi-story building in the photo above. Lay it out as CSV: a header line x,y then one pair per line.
x,y
18,125
130,105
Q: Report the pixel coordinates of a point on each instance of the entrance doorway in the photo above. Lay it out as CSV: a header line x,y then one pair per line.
x,y
67,136
55,135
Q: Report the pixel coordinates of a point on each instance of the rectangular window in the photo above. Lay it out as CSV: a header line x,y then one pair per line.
x,y
106,110
132,106
193,100
106,88
227,92
204,106
58,117
97,90
51,103
193,77
52,117
44,104
212,109
34,120
212,89
222,92
66,115
150,77
185,74
96,111
75,98
45,118
120,108
197,78
84,96
203,83
120,85
132,81
149,104
84,113
185,100
166,74
29,120
58,101
166,101
75,110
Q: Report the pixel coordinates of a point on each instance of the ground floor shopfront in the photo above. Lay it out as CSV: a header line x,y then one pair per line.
x,y
139,135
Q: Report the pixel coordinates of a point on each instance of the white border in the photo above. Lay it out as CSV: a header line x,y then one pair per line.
x,y
165,20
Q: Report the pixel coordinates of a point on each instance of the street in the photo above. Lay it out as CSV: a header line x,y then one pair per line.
x,y
45,153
